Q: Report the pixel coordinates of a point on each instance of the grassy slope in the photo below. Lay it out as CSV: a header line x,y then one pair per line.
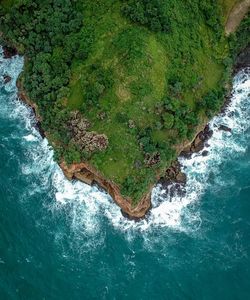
x,y
203,60
191,52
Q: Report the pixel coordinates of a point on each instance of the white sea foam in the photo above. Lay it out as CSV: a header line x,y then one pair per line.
x,y
88,205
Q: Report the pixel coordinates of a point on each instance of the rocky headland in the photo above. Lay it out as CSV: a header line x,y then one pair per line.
x,y
91,141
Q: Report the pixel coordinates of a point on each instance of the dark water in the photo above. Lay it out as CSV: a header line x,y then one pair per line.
x,y
62,240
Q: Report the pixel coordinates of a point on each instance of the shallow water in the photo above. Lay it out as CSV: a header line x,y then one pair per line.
x,y
66,240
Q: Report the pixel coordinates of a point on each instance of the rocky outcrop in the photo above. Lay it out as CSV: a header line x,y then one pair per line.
x,y
8,52
224,128
198,143
88,141
90,176
152,159
23,96
174,174
243,59
6,78
174,180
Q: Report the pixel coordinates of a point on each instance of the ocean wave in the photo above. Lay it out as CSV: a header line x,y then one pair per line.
x,y
88,206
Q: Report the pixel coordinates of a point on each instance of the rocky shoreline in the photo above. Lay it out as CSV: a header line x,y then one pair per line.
x,y
174,177
83,171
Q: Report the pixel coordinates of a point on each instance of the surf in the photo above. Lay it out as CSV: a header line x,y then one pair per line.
x,y
88,206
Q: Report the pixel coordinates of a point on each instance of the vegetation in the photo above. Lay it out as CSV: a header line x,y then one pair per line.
x,y
142,72
241,38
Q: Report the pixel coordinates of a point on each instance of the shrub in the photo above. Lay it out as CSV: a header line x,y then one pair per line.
x,y
150,13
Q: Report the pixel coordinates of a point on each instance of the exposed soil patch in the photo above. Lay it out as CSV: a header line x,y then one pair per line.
x,y
236,15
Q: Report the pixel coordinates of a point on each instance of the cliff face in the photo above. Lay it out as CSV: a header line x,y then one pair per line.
x,y
89,175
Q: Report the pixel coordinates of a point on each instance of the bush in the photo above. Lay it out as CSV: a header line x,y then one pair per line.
x,y
129,44
95,85
150,13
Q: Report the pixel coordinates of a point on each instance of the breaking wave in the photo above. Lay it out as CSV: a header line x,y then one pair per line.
x,y
89,206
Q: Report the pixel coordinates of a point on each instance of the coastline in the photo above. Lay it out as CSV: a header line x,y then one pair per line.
x,y
89,175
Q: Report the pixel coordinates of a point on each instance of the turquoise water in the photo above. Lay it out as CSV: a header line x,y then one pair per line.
x,y
63,240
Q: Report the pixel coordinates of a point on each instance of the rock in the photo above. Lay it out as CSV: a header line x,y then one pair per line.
x,y
205,153
88,174
201,139
170,174
198,140
225,128
39,128
8,52
102,115
89,141
164,182
181,178
177,190
205,134
176,166
152,159
172,189
243,59
6,78
198,147
187,153
137,164
174,174
83,125
131,124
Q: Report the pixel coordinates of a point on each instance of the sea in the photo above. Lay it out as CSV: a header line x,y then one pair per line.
x,y
67,240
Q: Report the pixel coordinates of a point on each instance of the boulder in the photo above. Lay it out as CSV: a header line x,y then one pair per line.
x,y
187,152
198,147
170,174
204,153
8,52
131,124
181,178
152,159
242,60
6,78
225,128
198,140
138,164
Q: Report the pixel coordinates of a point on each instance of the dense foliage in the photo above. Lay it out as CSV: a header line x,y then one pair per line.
x,y
52,36
150,13
145,73
241,38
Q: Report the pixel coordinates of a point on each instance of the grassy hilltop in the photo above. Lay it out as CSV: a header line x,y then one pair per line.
x,y
143,73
